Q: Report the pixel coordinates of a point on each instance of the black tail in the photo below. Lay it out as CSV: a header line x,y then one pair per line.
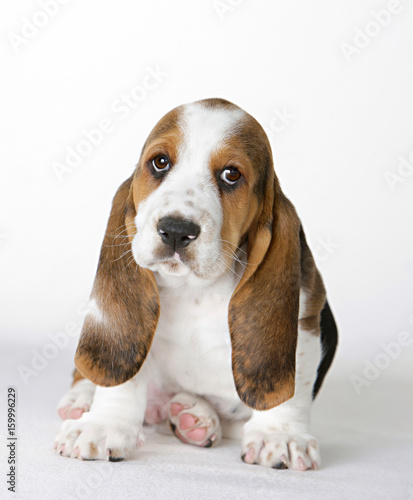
x,y
329,336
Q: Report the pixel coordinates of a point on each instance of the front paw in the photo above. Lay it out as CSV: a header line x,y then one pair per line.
x,y
95,437
77,400
281,451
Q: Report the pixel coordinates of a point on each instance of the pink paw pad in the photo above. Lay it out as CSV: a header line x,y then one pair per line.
x,y
63,412
249,457
194,421
197,434
76,413
176,408
73,413
300,464
186,421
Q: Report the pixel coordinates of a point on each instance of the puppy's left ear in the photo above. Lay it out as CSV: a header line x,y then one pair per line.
x,y
263,311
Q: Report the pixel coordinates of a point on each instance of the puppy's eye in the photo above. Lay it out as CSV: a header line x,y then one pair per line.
x,y
161,163
230,175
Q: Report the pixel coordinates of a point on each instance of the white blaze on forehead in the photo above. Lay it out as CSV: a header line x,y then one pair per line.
x,y
205,129
189,191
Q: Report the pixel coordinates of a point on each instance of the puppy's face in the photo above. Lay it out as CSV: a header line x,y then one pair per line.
x,y
197,189
204,184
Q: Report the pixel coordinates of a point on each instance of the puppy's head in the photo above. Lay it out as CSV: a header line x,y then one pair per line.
x,y
197,188
204,185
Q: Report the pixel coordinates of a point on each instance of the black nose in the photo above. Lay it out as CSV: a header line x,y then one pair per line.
x,y
176,232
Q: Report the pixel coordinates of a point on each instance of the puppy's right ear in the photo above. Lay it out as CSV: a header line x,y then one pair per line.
x,y
117,336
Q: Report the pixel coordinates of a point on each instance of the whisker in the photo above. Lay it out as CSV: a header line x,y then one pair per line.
x,y
233,255
229,268
117,244
244,265
124,226
123,237
119,234
130,260
124,253
243,262
229,243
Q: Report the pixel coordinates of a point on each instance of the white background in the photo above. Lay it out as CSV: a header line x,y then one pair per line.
x,y
349,122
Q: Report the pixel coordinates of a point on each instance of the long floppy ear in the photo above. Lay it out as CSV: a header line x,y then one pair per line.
x,y
116,338
263,311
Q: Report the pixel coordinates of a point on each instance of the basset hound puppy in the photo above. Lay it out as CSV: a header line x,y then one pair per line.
x,y
207,309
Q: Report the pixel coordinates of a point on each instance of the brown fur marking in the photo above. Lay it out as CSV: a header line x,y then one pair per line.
x,y
264,336
76,376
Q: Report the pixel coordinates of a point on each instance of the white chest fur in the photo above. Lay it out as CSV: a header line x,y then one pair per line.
x,y
192,346
191,349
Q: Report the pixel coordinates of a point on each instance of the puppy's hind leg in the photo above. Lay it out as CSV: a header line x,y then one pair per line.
x,y
280,438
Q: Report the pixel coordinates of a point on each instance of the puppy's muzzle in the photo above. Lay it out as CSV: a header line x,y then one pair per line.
x,y
177,232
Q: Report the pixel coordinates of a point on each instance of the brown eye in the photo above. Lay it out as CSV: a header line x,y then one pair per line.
x,y
161,163
230,175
